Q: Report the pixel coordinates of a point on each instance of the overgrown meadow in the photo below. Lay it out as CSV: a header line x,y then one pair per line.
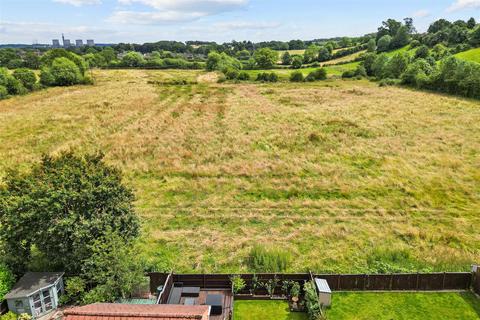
x,y
333,176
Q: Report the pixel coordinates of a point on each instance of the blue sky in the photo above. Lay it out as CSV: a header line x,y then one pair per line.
x,y
111,21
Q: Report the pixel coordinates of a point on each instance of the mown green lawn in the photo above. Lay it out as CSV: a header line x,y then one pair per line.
x,y
470,55
284,74
265,310
404,306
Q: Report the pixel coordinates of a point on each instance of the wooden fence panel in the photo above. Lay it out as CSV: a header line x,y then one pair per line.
x,y
337,282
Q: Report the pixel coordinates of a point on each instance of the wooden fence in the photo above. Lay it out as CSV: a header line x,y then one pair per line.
x,y
337,282
476,284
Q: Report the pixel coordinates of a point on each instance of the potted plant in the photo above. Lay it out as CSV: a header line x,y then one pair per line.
x,y
294,296
270,286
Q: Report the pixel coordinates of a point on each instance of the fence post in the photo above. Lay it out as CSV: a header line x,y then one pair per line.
x,y
338,282
443,281
418,280
391,281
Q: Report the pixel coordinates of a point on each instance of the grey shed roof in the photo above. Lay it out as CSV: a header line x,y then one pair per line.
x,y
32,282
322,285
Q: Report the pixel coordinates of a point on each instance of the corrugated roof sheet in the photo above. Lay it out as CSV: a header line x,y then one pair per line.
x,y
32,282
106,311
322,285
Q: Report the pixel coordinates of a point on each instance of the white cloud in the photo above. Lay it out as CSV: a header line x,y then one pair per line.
x,y
170,11
464,4
79,3
421,14
246,25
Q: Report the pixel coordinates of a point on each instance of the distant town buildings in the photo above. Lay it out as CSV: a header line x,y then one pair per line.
x,y
66,43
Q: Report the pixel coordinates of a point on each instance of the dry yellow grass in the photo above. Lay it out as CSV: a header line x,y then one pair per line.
x,y
341,173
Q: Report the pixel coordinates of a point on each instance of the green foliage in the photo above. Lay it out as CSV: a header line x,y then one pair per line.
x,y
296,76
295,289
319,74
265,58
244,76
75,288
133,59
396,65
62,205
270,285
286,58
422,52
7,280
314,310
267,77
12,85
324,54
51,55
221,62
372,45
3,92
65,72
384,43
26,76
46,77
112,267
231,74
401,38
311,53
243,55
238,283
297,62
9,316
263,259
255,284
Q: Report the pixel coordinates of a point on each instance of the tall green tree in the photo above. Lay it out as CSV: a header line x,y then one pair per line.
x,y
265,58
286,58
61,206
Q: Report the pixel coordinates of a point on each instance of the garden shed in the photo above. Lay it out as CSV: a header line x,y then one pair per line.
x,y
324,292
36,293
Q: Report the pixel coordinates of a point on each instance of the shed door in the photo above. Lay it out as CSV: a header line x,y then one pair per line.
x,y
37,304
47,300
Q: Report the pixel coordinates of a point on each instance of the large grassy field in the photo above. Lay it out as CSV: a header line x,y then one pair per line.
x,y
345,175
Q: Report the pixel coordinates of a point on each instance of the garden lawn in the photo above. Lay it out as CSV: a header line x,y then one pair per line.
x,y
399,306
265,310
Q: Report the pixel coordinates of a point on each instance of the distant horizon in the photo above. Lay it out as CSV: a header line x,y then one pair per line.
x,y
139,21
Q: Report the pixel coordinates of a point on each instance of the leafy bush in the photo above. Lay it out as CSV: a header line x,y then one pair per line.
x,y
243,76
265,58
267,77
3,92
65,72
231,74
50,56
75,288
133,59
7,280
238,283
12,85
262,259
271,285
297,62
9,316
319,74
296,76
388,82
315,311
348,74
26,76
221,62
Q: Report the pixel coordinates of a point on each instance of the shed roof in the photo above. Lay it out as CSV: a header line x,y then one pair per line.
x,y
322,285
105,311
32,282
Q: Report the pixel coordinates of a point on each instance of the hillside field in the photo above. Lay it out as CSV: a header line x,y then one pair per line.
x,y
470,55
345,175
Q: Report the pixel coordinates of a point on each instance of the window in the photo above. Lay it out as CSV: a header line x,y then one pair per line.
x,y
19,306
37,303
47,300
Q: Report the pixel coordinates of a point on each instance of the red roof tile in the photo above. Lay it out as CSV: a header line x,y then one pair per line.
x,y
113,311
